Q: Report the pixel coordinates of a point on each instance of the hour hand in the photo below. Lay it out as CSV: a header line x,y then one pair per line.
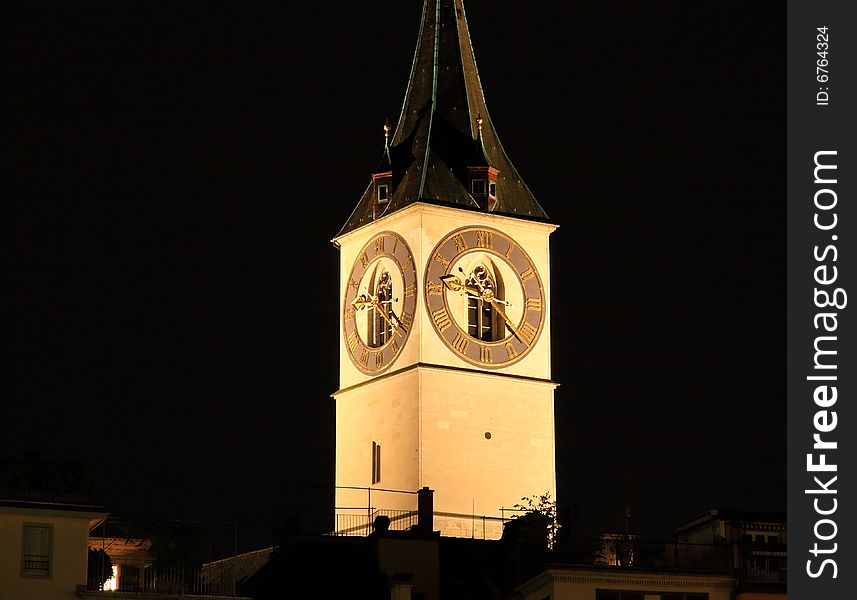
x,y
454,284
363,301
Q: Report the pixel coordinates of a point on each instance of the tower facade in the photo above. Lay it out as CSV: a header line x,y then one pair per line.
x,y
445,309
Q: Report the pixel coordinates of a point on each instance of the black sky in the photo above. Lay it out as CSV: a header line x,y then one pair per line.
x,y
177,172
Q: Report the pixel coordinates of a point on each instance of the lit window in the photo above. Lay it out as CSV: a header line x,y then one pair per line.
x,y
110,585
492,189
376,462
477,187
36,550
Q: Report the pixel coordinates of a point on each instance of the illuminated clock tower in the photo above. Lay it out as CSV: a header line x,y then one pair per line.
x,y
445,308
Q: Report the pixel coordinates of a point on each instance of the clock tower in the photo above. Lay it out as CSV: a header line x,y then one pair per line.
x,y
445,309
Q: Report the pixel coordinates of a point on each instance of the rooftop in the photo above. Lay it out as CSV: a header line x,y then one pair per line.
x,y
444,128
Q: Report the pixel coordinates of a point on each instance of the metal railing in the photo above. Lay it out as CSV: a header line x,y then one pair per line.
x,y
176,580
753,565
359,524
186,559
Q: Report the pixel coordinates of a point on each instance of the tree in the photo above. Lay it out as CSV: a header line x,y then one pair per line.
x,y
545,507
99,568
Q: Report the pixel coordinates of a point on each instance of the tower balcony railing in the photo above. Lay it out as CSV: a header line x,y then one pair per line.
x,y
349,523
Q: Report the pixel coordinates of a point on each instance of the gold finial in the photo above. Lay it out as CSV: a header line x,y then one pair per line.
x,y
479,121
386,130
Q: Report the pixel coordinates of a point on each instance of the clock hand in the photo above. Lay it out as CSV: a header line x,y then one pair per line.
x,y
400,326
454,284
486,294
380,308
482,297
366,301
362,301
496,305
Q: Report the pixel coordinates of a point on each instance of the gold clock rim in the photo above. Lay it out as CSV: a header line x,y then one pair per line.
x,y
344,307
497,343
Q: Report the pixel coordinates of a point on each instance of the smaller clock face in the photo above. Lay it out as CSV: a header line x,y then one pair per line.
x,y
380,302
484,296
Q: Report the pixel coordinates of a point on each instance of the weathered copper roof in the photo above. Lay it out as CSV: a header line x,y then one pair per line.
x,y
437,136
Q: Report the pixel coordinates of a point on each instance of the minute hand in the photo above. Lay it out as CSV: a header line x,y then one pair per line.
x,y
380,308
498,307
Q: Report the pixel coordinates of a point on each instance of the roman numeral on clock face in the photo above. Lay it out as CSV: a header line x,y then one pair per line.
x,y
441,260
460,343
406,321
528,332
528,274
441,319
352,341
534,304
485,354
410,290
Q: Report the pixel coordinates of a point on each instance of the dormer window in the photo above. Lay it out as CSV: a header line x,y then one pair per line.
x,y
483,186
383,183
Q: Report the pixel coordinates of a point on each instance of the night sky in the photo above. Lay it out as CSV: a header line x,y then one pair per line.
x,y
175,173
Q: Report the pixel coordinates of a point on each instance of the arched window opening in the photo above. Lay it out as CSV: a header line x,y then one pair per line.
x,y
483,322
380,316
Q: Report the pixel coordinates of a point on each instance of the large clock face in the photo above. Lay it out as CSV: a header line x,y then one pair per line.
x,y
380,302
484,296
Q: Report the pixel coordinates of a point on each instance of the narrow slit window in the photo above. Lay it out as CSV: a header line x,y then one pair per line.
x,y
376,462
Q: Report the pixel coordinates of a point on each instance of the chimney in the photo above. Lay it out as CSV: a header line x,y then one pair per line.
x,y
400,591
425,509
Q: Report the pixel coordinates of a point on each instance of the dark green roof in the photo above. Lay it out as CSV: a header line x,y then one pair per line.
x,y
437,136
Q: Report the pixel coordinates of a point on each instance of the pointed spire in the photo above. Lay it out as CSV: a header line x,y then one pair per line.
x,y
444,128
